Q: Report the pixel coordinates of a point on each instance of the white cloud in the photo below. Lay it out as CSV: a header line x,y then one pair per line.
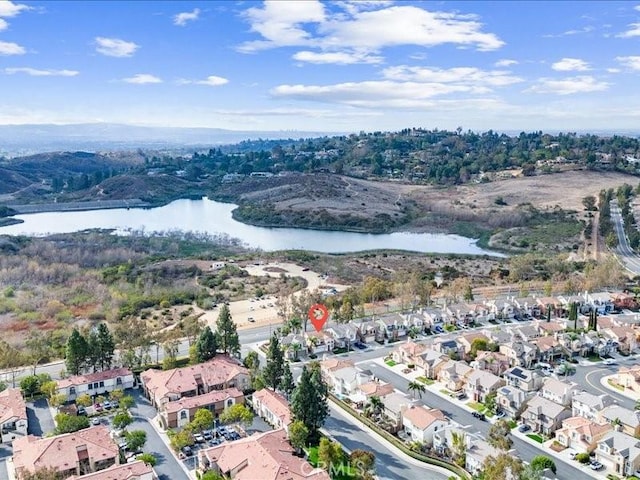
x,y
337,58
364,30
634,31
613,70
142,79
10,9
3,25
568,86
571,65
210,81
10,48
506,62
637,7
578,31
181,19
632,62
458,75
35,72
114,47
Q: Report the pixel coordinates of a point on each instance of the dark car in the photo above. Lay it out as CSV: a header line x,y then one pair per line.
x,y
479,416
524,428
187,451
82,411
207,435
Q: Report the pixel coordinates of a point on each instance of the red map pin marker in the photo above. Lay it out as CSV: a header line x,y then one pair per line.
x,y
318,315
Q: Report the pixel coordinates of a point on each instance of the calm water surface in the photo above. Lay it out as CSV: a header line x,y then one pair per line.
x,y
215,218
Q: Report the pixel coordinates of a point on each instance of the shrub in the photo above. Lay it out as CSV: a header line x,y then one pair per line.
x,y
583,458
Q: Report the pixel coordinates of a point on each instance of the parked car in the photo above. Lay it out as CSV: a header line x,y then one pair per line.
x,y
95,421
107,405
479,416
524,428
207,435
251,319
115,404
82,411
500,415
572,455
187,451
609,361
596,465
198,438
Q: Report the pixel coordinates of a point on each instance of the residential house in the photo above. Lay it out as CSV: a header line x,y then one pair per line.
x,y
526,333
589,406
319,342
364,392
294,346
525,380
346,380
137,470
499,335
394,403
267,456
420,423
494,362
344,335
545,416
558,391
97,383
551,303
369,332
450,347
221,372
549,349
453,375
629,378
502,308
466,341
480,383
85,451
415,322
579,300
431,361
600,301
550,328
623,419
329,366
393,326
619,452
511,400
273,408
581,434
477,452
408,351
433,317
527,307
625,338
13,415
519,353
179,413
624,301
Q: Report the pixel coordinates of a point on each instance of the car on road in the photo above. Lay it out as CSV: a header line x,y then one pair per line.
x,y
572,455
95,421
251,319
596,465
305,269
479,416
609,361
524,428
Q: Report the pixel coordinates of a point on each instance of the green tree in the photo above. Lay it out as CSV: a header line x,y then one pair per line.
x,y
573,314
83,400
374,405
459,447
30,385
490,402
502,467
468,294
237,413
309,399
298,435
417,387
135,439
57,399
541,462
287,385
93,351
363,461
66,423
76,353
106,346
330,454
148,458
122,419
228,341
202,420
252,361
127,401
206,345
499,435
274,369
38,347
211,475
181,439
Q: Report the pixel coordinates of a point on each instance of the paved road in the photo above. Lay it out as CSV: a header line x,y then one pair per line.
x,y
627,256
525,450
40,421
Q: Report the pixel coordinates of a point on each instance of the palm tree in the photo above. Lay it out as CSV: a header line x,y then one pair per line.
x,y
459,447
374,405
417,387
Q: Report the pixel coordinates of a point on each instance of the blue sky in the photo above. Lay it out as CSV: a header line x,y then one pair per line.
x,y
324,66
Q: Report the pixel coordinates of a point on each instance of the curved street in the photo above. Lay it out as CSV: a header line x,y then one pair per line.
x,y
629,259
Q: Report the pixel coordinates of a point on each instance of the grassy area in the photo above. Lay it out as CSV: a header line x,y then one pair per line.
x,y
594,358
446,392
425,380
536,437
489,414
390,363
476,406
615,385
512,424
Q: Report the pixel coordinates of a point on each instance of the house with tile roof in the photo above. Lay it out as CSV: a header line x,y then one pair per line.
x,y
454,375
78,453
13,415
97,383
581,434
180,412
408,351
273,408
267,456
137,470
221,372
420,423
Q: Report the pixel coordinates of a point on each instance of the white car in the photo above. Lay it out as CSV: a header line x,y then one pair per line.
x,y
609,361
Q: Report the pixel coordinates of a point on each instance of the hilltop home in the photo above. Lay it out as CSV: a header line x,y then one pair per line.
x,y
267,456
13,415
180,412
581,434
273,408
420,423
219,373
97,383
85,451
589,406
619,452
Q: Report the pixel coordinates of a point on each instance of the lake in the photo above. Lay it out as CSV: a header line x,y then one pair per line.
x,y
213,217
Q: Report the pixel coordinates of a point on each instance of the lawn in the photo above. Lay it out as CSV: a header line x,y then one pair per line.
x,y
476,406
615,385
390,363
347,474
535,437
425,380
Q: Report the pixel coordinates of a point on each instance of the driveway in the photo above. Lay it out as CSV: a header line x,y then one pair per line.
x,y
40,421
167,467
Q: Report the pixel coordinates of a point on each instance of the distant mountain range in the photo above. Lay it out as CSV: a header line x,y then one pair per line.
x,y
29,139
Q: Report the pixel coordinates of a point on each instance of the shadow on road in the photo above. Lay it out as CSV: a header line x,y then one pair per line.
x,y
40,421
